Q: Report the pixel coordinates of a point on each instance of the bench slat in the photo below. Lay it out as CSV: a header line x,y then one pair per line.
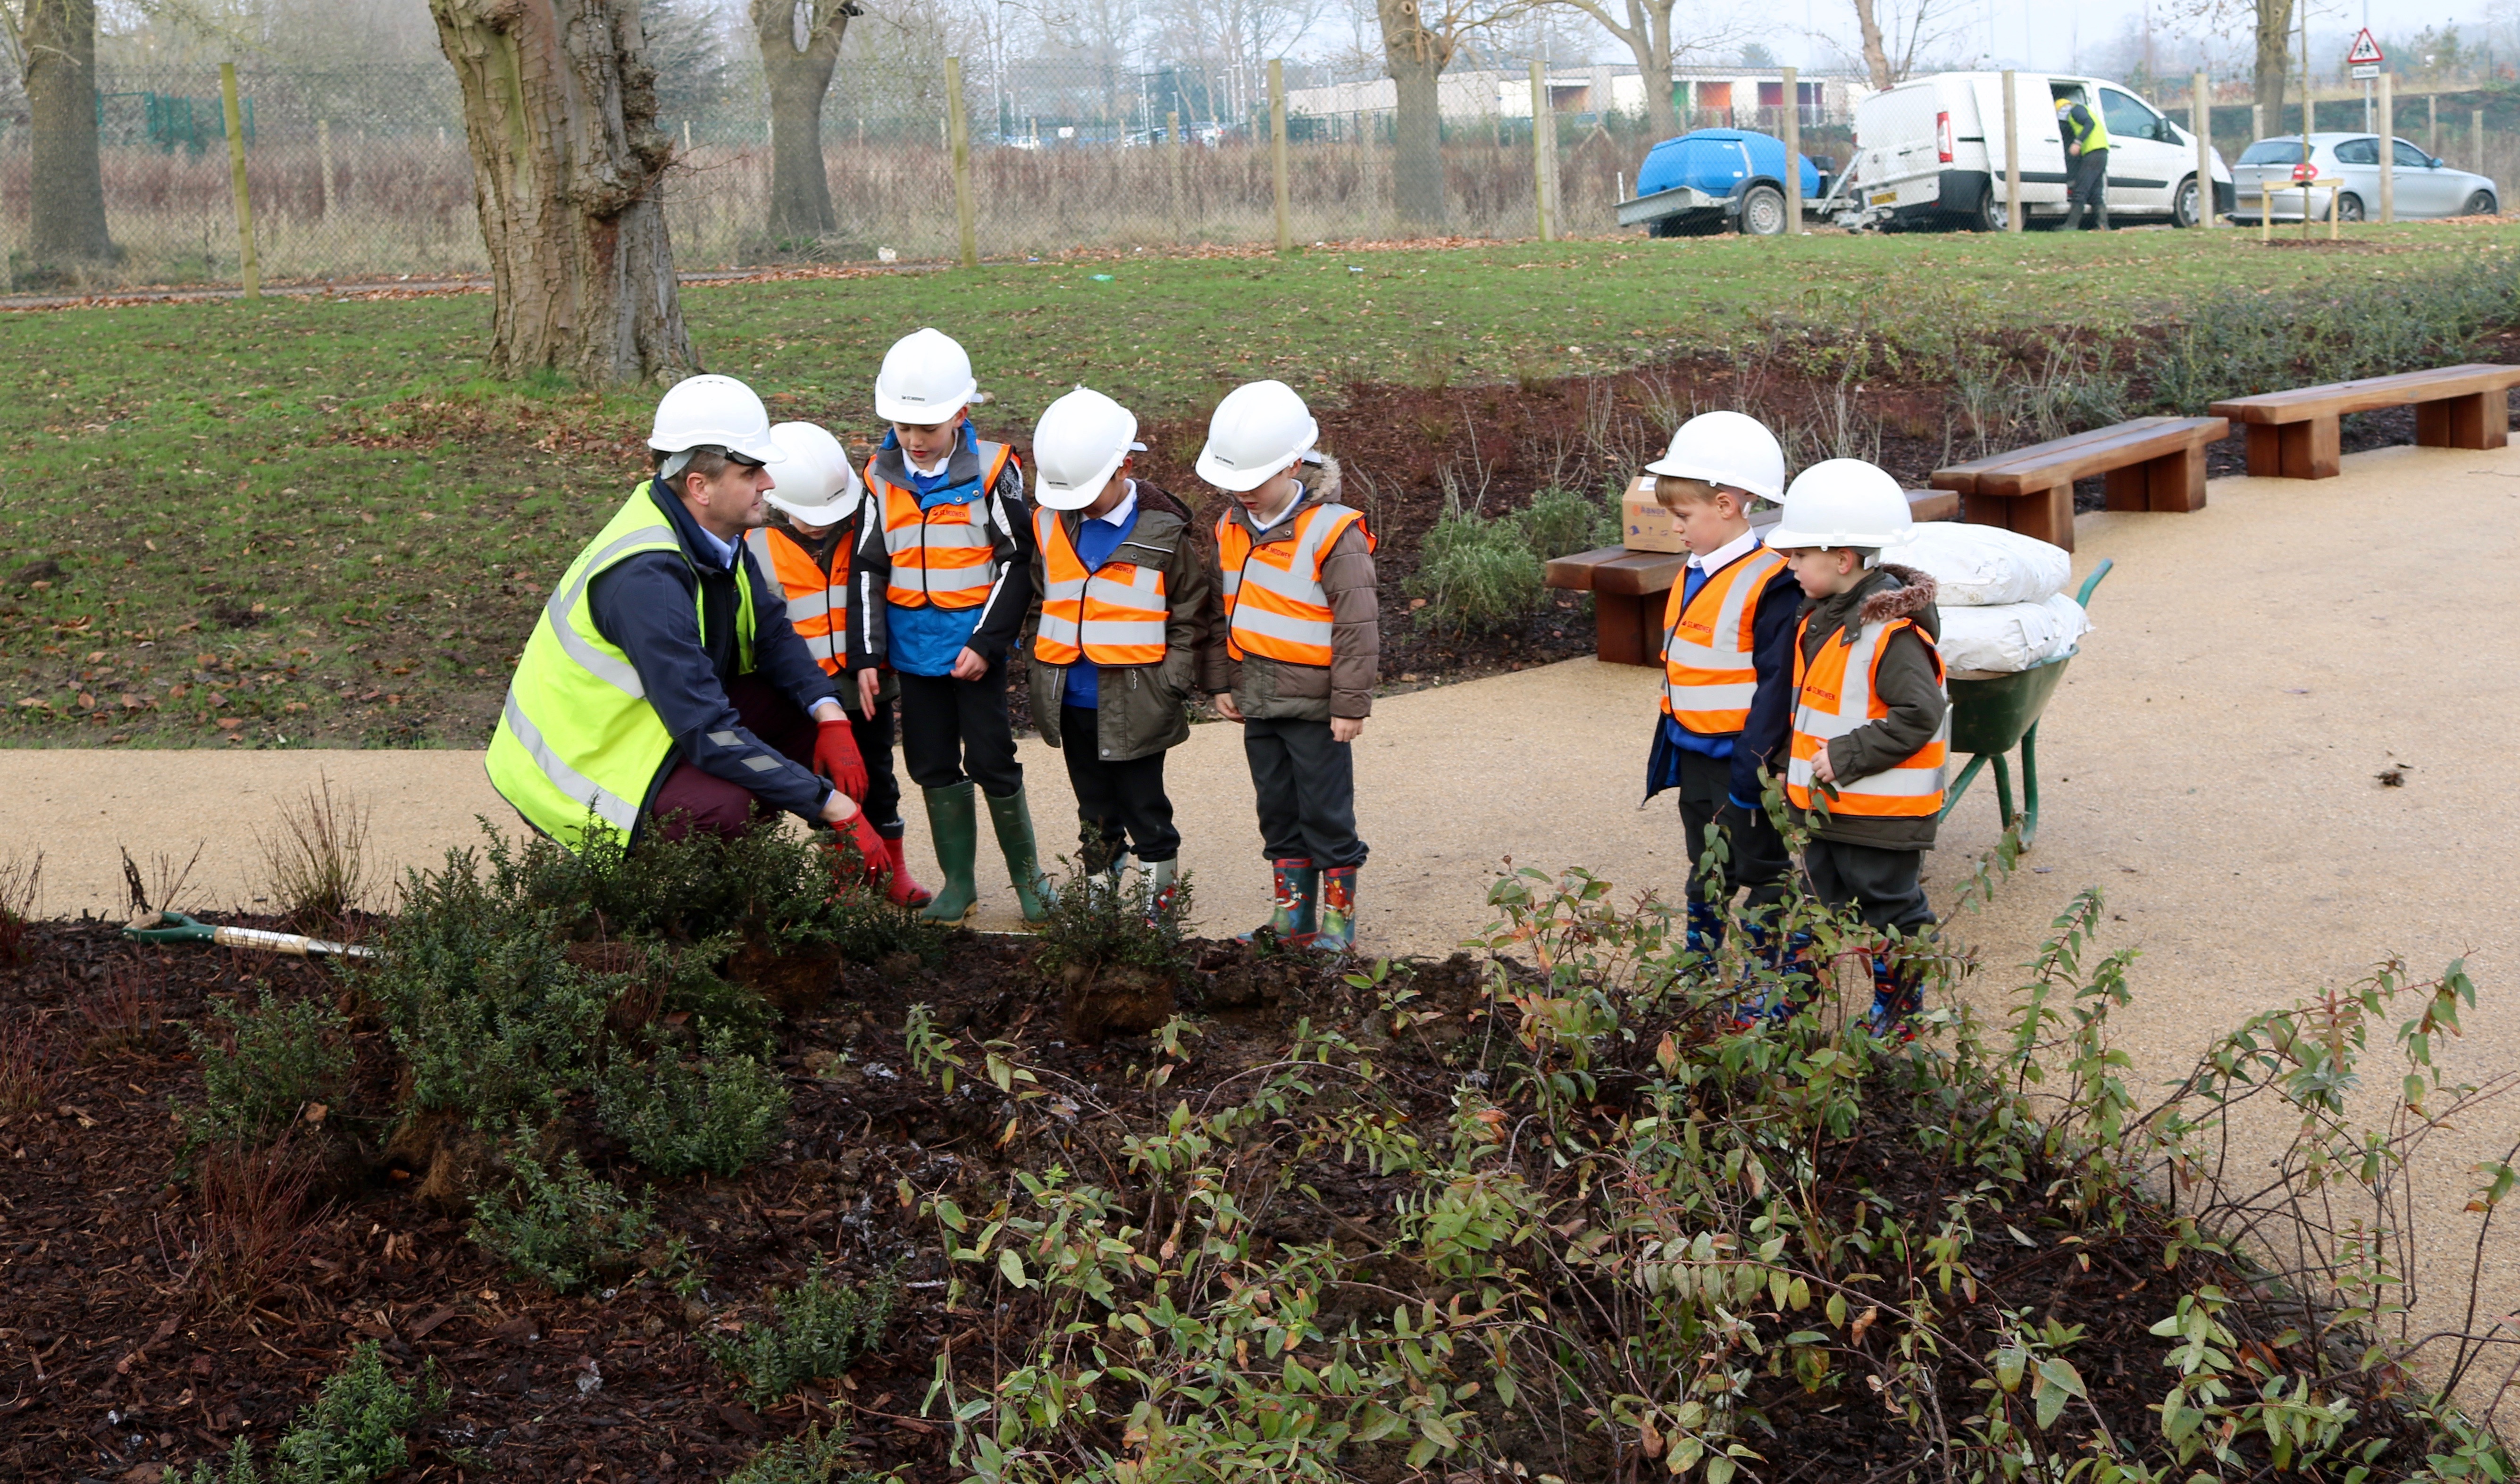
x,y
2369,394
2136,446
2036,451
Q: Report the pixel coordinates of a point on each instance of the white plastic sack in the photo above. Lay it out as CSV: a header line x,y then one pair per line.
x,y
2012,636
1983,565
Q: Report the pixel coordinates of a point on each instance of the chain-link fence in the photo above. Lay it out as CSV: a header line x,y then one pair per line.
x,y
364,174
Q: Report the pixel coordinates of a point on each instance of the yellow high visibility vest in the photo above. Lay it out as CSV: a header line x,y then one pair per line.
x,y
578,742
1835,695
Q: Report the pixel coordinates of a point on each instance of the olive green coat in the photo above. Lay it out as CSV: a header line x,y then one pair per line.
x,y
1141,709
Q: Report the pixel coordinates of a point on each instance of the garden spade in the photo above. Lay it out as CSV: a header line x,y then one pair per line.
x,y
176,928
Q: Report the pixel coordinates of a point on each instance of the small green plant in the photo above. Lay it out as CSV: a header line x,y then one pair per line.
x,y
1561,519
720,1114
1475,571
352,1434
816,1332
1095,922
563,1227
285,1054
813,1459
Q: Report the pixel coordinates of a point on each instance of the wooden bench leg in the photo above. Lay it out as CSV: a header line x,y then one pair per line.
x,y
1627,630
2311,449
2129,488
2047,514
2266,449
2480,420
2174,483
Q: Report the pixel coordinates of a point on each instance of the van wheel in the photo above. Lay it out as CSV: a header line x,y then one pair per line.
x,y
2185,205
1991,214
1763,212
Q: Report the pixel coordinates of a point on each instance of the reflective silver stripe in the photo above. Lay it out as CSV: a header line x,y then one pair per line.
x,y
760,764
1057,629
814,605
1250,619
619,674
1728,696
1124,633
726,739
821,646
956,579
1232,582
1734,656
614,810
758,538
1143,590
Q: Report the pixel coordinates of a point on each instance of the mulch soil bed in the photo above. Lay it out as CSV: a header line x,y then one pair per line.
x,y
116,1359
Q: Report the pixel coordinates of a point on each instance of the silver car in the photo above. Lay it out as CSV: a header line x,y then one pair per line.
x,y
2425,187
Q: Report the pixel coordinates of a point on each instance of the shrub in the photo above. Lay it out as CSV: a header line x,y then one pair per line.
x,y
1560,520
352,1434
26,1066
317,859
1094,922
1476,572
125,1016
812,1459
2239,343
719,1115
564,1228
819,1331
256,1224
22,882
287,1055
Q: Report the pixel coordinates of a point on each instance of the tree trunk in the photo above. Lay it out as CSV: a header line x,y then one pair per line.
x,y
1415,57
2274,57
560,112
1876,57
800,190
1653,60
66,217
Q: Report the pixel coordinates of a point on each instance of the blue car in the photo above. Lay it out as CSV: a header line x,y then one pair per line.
x,y
1709,179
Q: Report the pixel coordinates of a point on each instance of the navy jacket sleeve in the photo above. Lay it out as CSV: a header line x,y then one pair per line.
x,y
778,656
1771,704
1002,616
869,578
645,605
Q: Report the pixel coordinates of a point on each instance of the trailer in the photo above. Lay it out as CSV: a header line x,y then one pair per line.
x,y
1710,180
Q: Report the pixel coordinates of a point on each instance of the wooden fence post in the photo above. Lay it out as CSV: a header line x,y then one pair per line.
x,y
1539,202
1278,150
2200,117
958,137
1793,153
2476,142
323,162
2013,214
1173,145
236,178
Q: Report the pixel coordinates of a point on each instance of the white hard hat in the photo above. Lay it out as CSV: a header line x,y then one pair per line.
x,y
1842,503
927,378
713,411
1726,448
1258,430
817,487
1078,445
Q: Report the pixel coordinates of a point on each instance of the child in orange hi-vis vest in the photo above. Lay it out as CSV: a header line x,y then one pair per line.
x,y
1871,726
1728,670
1293,657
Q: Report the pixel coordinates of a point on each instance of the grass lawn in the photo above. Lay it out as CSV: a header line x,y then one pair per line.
x,y
306,523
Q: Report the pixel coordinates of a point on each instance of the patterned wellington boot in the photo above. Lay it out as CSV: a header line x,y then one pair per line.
x,y
1297,883
1162,877
1761,999
1339,910
1705,928
1898,998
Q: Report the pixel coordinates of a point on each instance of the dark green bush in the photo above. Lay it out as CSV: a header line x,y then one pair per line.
x,y
719,1114
1093,923
2241,343
812,1459
1477,572
1561,520
564,1228
352,1434
285,1054
819,1331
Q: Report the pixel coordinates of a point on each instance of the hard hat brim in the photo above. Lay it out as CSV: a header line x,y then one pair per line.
x,y
842,506
1226,476
894,409
1083,492
1681,469
759,447
1780,539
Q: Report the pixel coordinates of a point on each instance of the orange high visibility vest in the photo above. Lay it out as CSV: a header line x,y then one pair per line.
x,y
1708,678
1275,604
946,553
1835,695
818,602
1113,614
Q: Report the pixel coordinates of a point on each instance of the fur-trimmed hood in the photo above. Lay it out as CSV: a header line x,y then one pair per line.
x,y
1909,595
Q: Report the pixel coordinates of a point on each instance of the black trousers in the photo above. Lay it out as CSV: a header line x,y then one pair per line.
x,y
2091,188
1122,806
874,734
952,729
1306,785
1884,885
1756,852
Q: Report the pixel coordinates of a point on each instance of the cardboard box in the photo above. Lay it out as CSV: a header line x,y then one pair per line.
x,y
1643,524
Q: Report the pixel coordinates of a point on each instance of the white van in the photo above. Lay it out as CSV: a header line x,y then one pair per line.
x,y
1929,153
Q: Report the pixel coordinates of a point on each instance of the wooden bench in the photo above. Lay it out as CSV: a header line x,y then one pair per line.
x,y
2293,435
1629,588
2151,464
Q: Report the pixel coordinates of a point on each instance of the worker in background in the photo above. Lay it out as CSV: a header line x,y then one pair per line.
x,y
1872,725
939,587
804,548
665,658
2087,164
1728,670
1294,659
1124,591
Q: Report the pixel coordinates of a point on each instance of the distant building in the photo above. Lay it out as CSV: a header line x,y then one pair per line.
x,y
1706,97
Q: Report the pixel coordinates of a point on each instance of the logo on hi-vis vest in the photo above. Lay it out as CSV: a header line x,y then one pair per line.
x,y
1822,695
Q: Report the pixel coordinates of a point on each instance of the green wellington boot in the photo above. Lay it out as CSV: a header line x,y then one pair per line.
x,y
1014,820
954,824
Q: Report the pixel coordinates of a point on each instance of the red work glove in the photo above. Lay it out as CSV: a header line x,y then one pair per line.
x,y
836,757
859,830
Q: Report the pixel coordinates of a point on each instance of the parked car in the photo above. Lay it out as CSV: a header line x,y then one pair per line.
x,y
1929,153
1710,178
2424,186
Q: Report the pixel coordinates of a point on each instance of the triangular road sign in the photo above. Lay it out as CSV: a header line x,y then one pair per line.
x,y
2366,50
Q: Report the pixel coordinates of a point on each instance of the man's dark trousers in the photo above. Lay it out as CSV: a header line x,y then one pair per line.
x,y
2091,189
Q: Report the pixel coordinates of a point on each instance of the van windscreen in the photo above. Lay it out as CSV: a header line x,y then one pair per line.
x,y
2273,151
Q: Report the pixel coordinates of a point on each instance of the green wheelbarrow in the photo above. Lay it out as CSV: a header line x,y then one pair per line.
x,y
1993,715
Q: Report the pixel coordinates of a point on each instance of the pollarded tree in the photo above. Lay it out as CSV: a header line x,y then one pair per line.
x,y
568,164
53,42
1416,47
1645,27
800,44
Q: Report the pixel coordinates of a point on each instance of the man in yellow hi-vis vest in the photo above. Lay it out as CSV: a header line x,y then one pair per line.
x,y
665,657
2087,164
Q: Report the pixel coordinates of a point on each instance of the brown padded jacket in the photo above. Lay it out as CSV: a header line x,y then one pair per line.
x,y
1906,681
1269,690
